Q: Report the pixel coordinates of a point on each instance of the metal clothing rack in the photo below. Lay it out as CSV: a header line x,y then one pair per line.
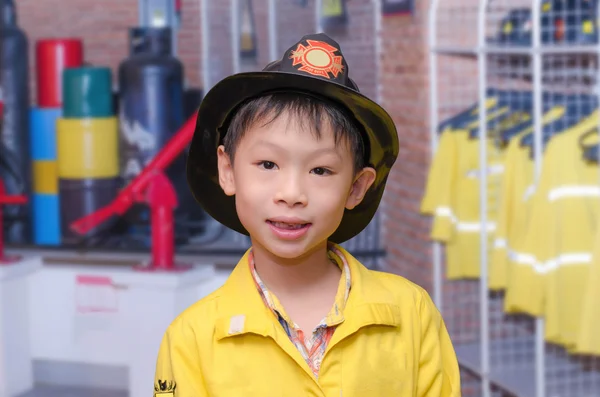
x,y
501,354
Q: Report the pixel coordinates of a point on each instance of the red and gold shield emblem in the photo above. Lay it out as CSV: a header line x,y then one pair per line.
x,y
318,59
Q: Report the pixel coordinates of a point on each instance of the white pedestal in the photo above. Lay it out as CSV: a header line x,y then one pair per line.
x,y
158,300
110,316
16,371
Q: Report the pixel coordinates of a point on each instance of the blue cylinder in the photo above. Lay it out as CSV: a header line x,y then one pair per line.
x,y
45,198
43,132
46,219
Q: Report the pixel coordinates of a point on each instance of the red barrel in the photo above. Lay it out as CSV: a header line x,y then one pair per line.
x,y
52,57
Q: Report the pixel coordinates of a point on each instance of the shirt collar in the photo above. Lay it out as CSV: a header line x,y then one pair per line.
x,y
240,309
335,315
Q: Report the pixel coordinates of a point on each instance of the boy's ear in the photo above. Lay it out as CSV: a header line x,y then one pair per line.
x,y
362,182
226,178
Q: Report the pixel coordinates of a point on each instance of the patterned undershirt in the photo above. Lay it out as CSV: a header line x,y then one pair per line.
x,y
312,347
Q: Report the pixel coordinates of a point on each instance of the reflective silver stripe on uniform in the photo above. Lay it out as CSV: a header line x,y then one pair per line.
x,y
466,227
521,258
500,243
472,227
494,169
524,259
446,212
575,258
529,192
574,191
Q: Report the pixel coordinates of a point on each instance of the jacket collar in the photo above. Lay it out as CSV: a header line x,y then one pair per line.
x,y
241,309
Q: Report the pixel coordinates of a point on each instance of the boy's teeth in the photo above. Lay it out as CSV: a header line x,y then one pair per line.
x,y
288,225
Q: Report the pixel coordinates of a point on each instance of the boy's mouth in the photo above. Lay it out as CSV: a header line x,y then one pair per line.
x,y
288,224
287,228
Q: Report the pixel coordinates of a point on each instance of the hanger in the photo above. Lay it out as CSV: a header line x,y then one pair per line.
x,y
457,119
506,134
577,108
515,108
469,118
552,113
470,115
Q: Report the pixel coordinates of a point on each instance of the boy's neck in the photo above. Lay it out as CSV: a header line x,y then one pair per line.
x,y
295,276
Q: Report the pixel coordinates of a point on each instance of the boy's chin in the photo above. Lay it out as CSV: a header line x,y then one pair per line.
x,y
291,249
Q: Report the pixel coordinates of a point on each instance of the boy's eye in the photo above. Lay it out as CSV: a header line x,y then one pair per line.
x,y
321,171
267,165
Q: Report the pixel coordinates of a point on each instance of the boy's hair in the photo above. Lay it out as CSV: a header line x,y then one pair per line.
x,y
309,111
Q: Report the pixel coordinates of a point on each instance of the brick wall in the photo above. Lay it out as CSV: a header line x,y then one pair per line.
x,y
104,27
219,47
101,25
190,42
260,10
405,92
293,22
358,40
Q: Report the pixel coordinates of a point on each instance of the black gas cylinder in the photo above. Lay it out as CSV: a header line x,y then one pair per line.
x,y
15,161
140,42
80,197
151,107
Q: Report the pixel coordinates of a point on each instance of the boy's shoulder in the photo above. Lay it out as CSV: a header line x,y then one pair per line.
x,y
197,314
400,287
403,284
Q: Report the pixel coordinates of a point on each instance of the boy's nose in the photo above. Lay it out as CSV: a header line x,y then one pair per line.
x,y
291,192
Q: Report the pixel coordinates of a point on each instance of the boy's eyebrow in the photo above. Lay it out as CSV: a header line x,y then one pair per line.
x,y
278,147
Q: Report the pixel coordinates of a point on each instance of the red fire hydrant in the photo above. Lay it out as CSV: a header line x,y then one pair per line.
x,y
4,199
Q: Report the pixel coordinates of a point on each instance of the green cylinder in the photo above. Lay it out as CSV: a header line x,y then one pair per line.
x,y
87,92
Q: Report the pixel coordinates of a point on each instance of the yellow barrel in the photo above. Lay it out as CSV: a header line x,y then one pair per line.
x,y
87,148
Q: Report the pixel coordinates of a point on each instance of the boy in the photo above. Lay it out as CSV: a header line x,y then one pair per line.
x,y
296,158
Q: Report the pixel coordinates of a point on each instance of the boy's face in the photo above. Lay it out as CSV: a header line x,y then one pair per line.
x,y
291,188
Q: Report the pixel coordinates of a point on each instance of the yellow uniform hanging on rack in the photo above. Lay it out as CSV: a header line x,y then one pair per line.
x,y
515,190
438,171
457,216
546,278
458,222
576,205
439,184
515,194
588,341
